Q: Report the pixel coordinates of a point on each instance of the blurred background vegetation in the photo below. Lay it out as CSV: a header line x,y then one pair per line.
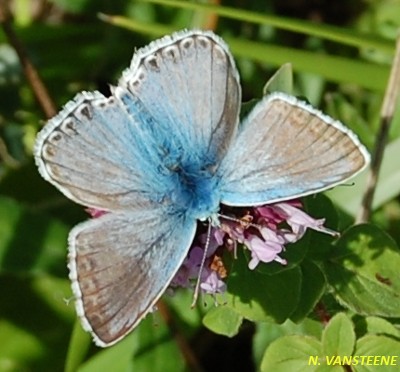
x,y
340,51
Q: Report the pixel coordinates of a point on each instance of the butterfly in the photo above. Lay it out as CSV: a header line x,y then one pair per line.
x,y
164,151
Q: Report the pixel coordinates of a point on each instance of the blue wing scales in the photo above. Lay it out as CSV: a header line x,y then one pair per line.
x,y
98,155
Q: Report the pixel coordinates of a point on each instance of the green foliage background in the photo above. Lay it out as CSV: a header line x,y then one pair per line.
x,y
335,297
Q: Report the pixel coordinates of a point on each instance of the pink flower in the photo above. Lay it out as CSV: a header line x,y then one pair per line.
x,y
264,231
212,283
299,221
95,213
264,251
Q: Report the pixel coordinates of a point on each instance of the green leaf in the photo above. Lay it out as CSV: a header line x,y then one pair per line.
x,y
223,320
379,353
291,353
261,297
338,337
363,272
312,86
188,319
379,326
312,288
281,81
267,332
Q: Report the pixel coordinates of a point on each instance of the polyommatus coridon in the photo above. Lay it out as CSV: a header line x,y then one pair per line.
x,y
165,150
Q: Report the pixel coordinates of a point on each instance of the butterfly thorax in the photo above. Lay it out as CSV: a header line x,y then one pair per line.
x,y
195,192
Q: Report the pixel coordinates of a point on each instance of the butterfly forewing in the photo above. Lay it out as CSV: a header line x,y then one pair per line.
x,y
190,85
93,152
120,264
287,149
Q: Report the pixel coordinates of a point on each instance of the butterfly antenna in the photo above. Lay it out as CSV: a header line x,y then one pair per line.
x,y
239,221
197,288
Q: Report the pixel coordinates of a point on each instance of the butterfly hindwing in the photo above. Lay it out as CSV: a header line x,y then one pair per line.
x,y
120,264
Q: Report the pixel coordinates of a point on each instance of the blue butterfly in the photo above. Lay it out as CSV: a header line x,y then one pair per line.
x,y
164,151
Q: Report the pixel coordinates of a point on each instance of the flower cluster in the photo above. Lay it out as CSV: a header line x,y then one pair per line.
x,y
263,230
